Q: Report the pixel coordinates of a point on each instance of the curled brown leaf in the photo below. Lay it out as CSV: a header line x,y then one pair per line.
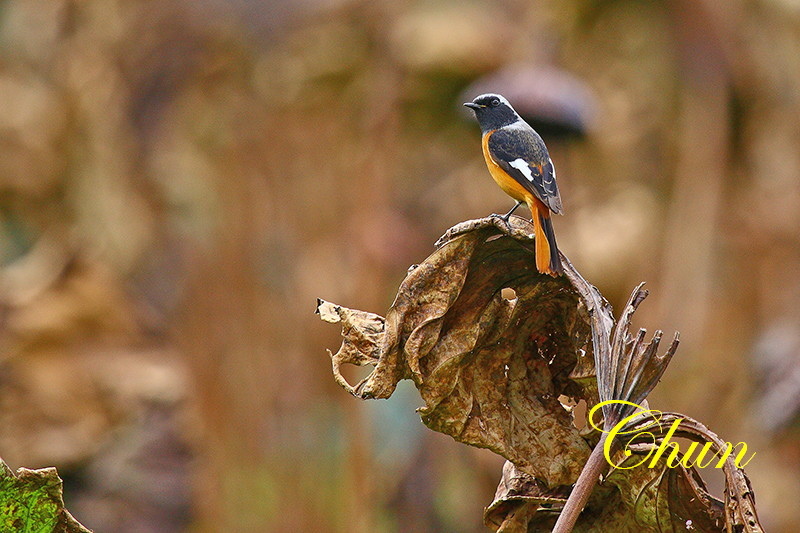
x,y
490,369
491,344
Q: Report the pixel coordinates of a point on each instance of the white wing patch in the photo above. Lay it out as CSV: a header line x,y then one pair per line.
x,y
522,166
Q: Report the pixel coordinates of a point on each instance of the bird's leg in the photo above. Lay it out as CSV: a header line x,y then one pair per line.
x,y
507,215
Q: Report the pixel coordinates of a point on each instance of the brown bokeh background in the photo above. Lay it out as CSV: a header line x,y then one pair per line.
x,y
181,179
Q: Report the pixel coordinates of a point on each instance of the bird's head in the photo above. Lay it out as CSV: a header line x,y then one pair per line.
x,y
492,111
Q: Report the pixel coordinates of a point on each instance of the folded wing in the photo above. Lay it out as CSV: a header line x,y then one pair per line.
x,y
523,155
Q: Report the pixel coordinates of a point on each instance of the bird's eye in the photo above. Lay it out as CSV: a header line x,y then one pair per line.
x,y
495,102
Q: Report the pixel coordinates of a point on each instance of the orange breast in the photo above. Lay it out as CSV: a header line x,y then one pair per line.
x,y
509,185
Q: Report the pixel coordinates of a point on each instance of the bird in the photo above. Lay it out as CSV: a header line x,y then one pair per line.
x,y
520,164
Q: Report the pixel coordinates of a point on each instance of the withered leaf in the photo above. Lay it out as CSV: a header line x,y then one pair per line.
x,y
520,500
737,513
489,369
637,500
661,499
362,333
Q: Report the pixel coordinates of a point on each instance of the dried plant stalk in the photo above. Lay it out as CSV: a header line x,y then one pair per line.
x,y
491,370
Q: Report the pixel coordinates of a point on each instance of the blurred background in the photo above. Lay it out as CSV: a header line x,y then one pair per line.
x,y
182,178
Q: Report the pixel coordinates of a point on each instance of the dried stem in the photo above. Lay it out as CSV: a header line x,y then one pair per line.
x,y
590,475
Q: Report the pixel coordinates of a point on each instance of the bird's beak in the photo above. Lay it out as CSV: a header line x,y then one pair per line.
x,y
473,105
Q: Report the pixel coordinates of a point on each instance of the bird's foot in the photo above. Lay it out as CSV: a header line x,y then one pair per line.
x,y
504,218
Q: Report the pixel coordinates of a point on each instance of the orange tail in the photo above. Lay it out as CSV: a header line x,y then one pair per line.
x,y
547,260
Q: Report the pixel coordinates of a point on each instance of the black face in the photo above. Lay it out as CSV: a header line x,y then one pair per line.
x,y
492,111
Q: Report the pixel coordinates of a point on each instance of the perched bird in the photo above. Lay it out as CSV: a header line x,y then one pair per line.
x,y
520,164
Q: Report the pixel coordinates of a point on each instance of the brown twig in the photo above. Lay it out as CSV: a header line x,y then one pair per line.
x,y
590,475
